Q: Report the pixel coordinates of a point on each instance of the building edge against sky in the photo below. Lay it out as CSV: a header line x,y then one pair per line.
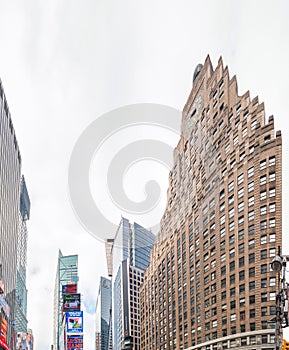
x,y
209,283
14,212
103,312
66,273
127,258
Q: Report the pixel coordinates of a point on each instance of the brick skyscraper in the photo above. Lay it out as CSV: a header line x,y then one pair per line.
x,y
209,284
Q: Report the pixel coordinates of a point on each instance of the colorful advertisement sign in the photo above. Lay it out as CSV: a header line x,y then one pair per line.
x,y
74,322
69,289
75,342
3,330
71,302
4,345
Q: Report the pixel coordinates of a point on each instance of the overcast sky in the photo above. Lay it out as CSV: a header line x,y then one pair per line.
x,y
65,63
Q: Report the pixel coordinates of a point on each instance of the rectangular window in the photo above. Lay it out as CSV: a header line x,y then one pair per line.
x,y
231,226
251,258
251,186
263,195
241,206
250,201
241,248
264,283
264,297
231,199
272,222
253,124
263,180
272,177
231,186
242,302
264,254
241,193
263,164
251,215
222,220
241,275
272,237
241,288
263,210
241,220
272,207
272,160
251,271
272,192
263,225
251,229
252,285
263,239
250,172
241,234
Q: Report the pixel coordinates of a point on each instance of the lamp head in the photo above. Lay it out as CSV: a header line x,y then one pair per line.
x,y
276,264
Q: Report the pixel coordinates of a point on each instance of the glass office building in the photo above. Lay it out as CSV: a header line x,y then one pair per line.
x,y
66,274
103,315
21,290
127,258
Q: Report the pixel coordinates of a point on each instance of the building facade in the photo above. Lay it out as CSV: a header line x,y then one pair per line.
x,y
10,177
66,277
209,285
21,289
103,312
127,258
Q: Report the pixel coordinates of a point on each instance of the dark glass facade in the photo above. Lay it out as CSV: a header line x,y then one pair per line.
x,y
103,315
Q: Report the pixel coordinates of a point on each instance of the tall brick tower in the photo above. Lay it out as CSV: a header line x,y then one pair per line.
x,y
209,285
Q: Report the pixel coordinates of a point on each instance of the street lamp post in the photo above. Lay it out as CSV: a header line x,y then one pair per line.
x,y
278,265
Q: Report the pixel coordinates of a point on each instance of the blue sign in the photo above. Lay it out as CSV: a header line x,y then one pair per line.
x,y
74,322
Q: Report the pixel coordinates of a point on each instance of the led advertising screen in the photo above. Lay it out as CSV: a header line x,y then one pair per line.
x,y
3,329
74,322
69,289
75,342
71,302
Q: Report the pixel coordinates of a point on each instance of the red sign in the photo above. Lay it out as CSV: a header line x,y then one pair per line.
x,y
75,342
69,288
3,344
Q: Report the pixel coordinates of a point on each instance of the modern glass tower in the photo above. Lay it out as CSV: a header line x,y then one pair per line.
x,y
127,258
10,176
104,316
66,274
209,284
21,290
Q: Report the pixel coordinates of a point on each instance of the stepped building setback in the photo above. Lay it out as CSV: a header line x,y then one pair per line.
x,y
209,284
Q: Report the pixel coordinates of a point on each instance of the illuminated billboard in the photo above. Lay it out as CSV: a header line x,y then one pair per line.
x,y
69,289
3,329
74,342
74,322
71,302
